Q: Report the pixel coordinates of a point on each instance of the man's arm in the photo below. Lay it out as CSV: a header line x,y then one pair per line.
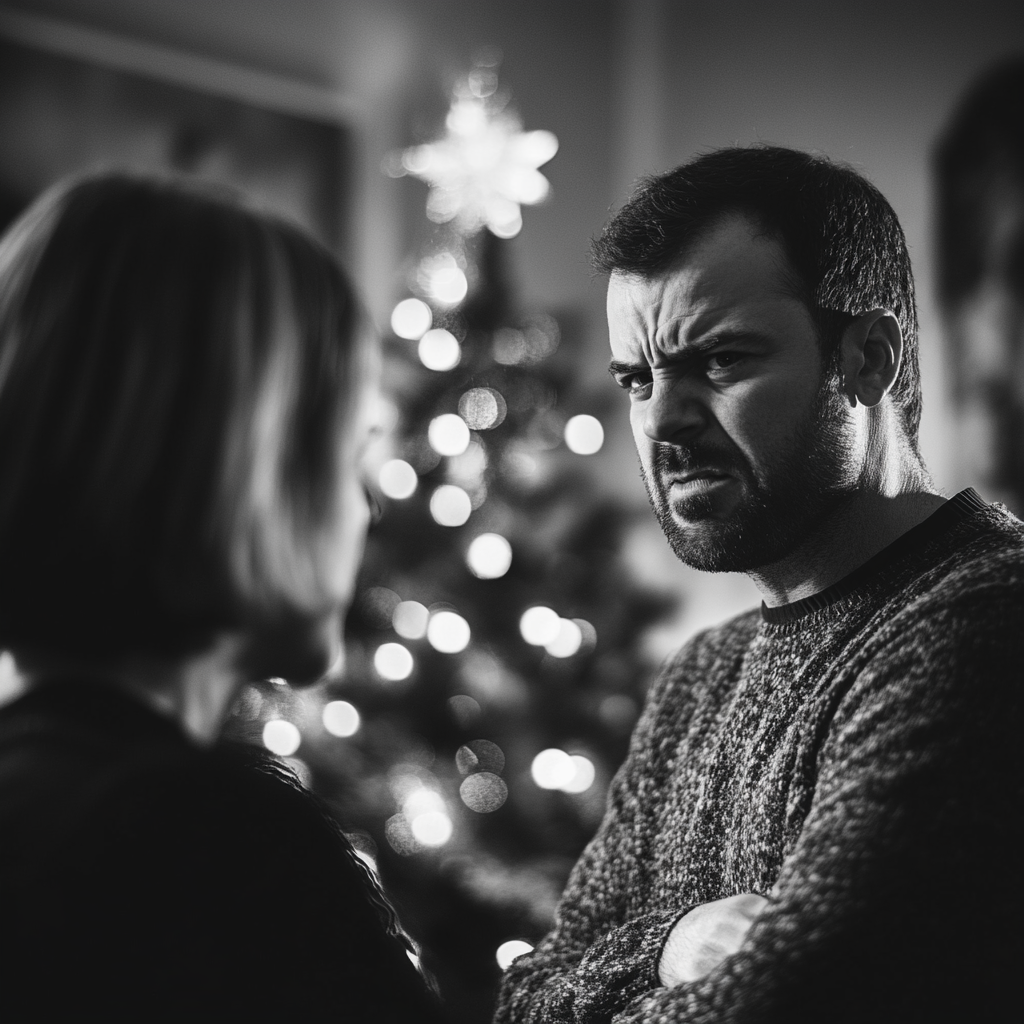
x,y
900,901
600,956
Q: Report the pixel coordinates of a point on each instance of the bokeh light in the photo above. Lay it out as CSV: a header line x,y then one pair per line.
x,y
341,718
508,951
432,828
583,775
479,755
399,835
411,319
584,435
410,620
465,709
397,479
552,769
568,640
448,632
483,408
439,350
489,556
557,769
529,344
450,505
443,280
393,662
483,792
420,799
448,434
281,737
539,625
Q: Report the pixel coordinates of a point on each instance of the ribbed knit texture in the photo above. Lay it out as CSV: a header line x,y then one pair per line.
x,y
855,758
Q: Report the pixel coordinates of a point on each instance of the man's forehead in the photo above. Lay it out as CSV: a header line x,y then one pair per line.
x,y
735,271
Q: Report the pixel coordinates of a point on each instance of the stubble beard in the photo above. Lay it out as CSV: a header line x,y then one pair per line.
x,y
791,495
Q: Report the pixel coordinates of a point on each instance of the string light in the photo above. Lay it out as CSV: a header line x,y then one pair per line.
x,y
397,479
439,350
552,769
433,828
556,769
281,737
539,625
465,709
441,277
482,408
568,640
483,792
584,435
450,505
448,434
411,319
341,718
410,620
393,662
489,556
448,632
583,776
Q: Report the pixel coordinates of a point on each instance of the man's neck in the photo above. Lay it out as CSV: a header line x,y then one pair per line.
x,y
856,530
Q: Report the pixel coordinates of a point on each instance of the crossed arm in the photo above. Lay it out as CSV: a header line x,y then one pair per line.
x,y
882,910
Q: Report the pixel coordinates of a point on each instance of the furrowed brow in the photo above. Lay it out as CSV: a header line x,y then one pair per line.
x,y
615,367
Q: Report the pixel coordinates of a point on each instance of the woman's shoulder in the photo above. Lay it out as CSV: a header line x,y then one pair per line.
x,y
150,855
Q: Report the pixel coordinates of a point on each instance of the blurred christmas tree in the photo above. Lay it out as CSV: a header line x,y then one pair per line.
x,y
494,670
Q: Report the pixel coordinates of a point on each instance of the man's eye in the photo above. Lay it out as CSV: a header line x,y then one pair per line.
x,y
635,383
722,360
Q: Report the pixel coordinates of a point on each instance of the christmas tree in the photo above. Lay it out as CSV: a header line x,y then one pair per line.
x,y
494,669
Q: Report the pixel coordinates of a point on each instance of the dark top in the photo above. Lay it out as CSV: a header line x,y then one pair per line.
x,y
856,758
143,878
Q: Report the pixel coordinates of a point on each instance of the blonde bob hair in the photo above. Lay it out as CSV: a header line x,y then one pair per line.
x,y
178,375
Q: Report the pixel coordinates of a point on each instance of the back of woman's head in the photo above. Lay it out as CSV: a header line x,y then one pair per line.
x,y
178,381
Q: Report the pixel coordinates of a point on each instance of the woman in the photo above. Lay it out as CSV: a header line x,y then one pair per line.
x,y
183,406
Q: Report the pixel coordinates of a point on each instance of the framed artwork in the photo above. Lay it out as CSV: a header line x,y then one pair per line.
x,y
73,99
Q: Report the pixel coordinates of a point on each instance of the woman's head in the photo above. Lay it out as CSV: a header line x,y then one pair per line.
x,y
183,384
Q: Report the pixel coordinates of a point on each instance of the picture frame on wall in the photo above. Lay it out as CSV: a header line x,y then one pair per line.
x,y
74,99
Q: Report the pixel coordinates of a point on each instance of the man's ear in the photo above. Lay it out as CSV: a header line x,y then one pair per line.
x,y
871,352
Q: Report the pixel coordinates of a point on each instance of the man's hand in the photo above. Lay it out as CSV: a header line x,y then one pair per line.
x,y
705,936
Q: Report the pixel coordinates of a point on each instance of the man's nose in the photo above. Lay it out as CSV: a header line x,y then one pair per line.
x,y
673,411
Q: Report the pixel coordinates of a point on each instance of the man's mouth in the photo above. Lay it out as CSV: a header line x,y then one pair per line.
x,y
697,482
697,478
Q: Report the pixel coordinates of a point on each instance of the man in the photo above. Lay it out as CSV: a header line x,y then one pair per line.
x,y
979,170
819,816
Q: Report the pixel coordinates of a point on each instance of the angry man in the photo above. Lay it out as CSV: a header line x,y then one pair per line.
x,y
819,817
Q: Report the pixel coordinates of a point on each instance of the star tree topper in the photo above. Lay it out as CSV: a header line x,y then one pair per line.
x,y
485,166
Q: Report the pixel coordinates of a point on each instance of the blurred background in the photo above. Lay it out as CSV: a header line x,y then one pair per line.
x,y
457,155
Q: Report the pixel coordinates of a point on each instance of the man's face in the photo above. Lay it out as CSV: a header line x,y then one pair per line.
x,y
744,445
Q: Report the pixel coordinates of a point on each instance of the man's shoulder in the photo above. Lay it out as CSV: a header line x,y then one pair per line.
x,y
984,563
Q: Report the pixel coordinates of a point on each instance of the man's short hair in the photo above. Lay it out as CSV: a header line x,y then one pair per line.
x,y
979,173
844,243
177,372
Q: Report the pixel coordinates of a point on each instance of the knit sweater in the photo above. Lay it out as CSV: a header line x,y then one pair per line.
x,y
855,757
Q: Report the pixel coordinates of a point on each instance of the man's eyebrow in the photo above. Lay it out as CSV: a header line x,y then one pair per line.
x,y
695,350
615,367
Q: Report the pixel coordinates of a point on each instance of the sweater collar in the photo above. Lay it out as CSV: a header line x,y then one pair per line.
x,y
940,522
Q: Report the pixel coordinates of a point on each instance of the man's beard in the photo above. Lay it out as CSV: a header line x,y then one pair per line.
x,y
787,498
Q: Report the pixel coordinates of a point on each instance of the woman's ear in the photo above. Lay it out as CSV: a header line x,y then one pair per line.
x,y
871,353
